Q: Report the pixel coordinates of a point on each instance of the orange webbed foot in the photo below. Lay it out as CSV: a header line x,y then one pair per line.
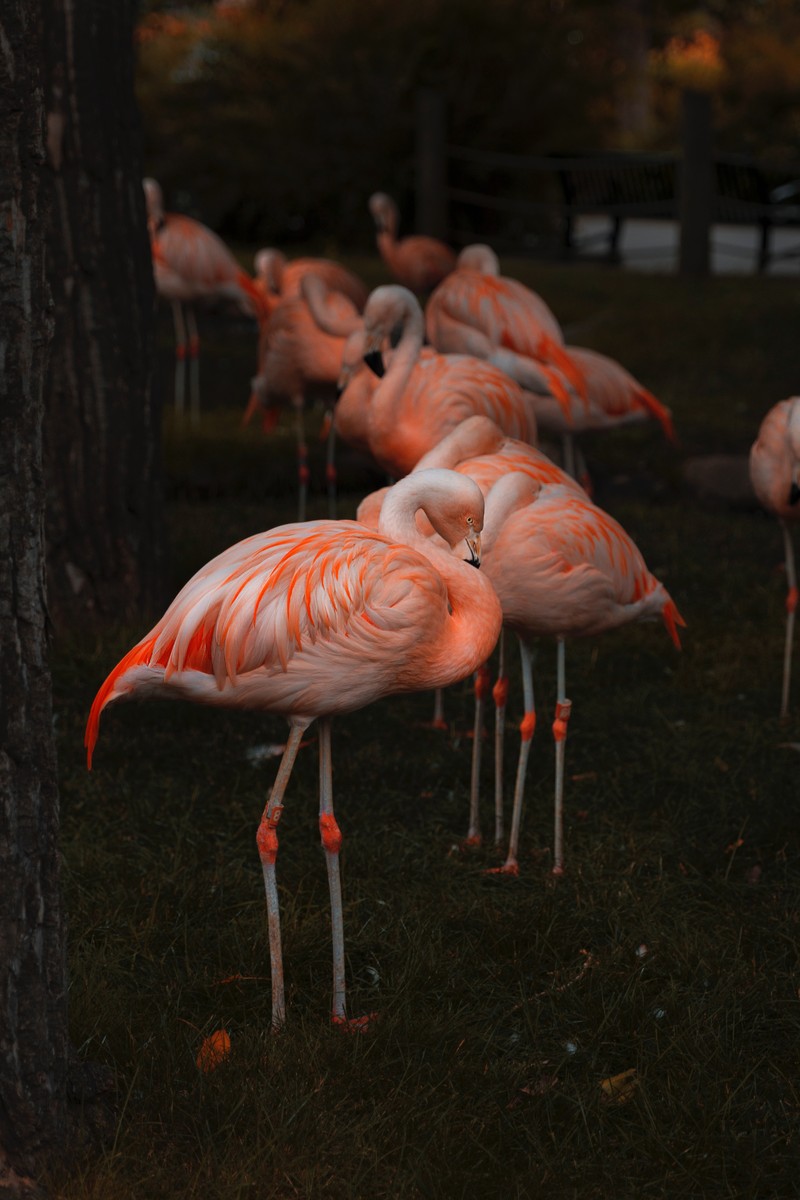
x,y
355,1024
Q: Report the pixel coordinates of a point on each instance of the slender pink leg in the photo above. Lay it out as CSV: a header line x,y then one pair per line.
x,y
331,837
438,721
180,358
791,606
563,710
267,841
194,367
499,695
482,683
526,729
302,455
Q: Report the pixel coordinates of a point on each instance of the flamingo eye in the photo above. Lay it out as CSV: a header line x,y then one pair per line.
x,y
470,521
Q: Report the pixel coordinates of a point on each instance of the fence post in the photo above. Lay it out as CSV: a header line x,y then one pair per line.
x,y
697,184
431,164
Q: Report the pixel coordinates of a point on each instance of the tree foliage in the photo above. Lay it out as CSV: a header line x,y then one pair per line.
x,y
278,118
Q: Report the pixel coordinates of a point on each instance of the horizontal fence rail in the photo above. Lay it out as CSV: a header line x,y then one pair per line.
x,y
531,202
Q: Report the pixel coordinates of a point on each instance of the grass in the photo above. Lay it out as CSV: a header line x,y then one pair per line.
x,y
670,946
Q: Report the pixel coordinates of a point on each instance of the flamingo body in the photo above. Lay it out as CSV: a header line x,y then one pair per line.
x,y
417,262
422,397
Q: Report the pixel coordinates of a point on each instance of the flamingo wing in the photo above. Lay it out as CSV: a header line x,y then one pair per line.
x,y
301,619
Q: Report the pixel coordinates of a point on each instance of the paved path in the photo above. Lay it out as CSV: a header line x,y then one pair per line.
x,y
654,246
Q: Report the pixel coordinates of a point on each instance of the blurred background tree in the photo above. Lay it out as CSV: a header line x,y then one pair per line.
x,y
275,119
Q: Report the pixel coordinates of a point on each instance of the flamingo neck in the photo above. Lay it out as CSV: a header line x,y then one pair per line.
x,y
475,616
388,394
511,492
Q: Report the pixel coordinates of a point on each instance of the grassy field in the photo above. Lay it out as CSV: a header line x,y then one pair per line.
x,y
668,949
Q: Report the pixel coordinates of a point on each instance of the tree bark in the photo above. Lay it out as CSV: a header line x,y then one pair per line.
x,y
102,435
33,1036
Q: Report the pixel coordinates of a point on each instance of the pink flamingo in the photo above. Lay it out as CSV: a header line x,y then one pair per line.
x,y
775,474
417,262
420,398
278,278
477,311
479,449
562,567
192,265
318,619
296,355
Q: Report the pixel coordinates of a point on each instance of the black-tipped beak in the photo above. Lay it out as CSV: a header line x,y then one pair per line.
x,y
339,390
474,547
374,360
794,493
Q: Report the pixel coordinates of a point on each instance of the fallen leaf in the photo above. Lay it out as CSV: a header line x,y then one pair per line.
x,y
214,1050
619,1089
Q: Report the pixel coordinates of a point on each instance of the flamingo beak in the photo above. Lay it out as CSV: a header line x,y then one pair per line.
x,y
374,360
473,541
794,493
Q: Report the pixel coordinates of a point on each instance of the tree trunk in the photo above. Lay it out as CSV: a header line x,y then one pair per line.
x,y
33,1038
102,433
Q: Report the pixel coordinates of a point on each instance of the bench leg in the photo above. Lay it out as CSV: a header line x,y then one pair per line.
x,y
763,249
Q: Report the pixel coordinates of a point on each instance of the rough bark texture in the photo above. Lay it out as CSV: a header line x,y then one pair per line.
x,y
33,1044
102,430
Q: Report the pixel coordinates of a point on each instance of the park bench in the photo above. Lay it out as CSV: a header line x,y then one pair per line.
x,y
630,186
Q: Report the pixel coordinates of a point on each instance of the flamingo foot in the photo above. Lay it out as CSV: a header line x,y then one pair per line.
x,y
355,1024
440,724
508,868
471,841
557,870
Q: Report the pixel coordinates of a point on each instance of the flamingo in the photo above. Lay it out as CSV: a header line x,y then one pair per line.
x,y
562,567
295,355
775,474
420,398
191,265
477,311
316,619
417,262
276,277
479,449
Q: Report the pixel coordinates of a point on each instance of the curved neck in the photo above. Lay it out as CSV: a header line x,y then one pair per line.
x,y
471,438
510,493
333,313
475,616
389,391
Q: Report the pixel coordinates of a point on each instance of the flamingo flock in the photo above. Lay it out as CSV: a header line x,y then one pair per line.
x,y
443,377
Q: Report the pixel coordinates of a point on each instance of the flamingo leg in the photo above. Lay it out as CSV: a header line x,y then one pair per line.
x,y
331,837
194,366
527,726
438,721
481,688
499,695
267,841
791,605
180,357
302,455
563,709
